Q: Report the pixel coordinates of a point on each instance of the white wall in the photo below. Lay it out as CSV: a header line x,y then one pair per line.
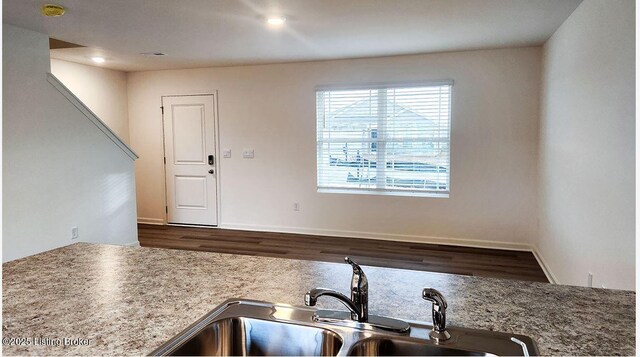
x,y
59,169
103,90
271,108
587,147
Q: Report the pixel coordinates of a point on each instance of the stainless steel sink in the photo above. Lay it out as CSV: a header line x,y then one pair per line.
x,y
240,336
463,342
256,328
396,347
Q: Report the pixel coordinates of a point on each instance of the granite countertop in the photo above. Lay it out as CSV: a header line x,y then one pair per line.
x,y
115,300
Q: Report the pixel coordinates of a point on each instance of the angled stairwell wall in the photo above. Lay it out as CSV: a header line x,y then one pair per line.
x,y
62,167
103,90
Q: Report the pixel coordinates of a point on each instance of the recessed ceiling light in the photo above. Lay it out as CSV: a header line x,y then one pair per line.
x,y
98,59
52,10
276,21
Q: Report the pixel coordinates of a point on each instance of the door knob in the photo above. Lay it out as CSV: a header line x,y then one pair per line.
x,y
211,171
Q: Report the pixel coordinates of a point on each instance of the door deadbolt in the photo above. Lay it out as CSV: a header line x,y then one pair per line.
x,y
211,160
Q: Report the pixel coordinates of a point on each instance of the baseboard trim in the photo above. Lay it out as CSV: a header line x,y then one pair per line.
x,y
384,236
133,244
155,221
543,264
191,225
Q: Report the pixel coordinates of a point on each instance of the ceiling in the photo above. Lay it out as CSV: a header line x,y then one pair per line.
x,y
203,33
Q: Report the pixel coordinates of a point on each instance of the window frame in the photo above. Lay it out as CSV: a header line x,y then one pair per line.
x,y
379,86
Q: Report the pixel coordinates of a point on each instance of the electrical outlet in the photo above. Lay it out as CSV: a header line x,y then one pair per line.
x,y
74,232
590,280
226,153
296,206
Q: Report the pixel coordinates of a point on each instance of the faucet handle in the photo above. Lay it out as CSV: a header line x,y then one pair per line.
x,y
359,280
359,289
354,265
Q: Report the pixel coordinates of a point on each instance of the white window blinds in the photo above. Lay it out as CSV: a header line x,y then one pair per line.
x,y
385,138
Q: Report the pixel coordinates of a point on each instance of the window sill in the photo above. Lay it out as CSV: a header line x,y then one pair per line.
x,y
384,193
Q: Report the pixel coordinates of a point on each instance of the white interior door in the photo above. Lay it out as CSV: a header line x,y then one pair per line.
x,y
189,145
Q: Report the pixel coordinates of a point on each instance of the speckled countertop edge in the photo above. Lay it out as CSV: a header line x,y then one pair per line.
x,y
130,300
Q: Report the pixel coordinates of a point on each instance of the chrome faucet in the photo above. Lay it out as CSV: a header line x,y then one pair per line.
x,y
439,314
358,304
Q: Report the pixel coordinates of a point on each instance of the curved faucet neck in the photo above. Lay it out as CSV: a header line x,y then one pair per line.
x,y
312,296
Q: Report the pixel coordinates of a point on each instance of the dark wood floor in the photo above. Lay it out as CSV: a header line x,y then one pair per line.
x,y
427,257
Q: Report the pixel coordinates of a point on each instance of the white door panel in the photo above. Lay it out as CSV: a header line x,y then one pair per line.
x,y
191,192
189,135
189,140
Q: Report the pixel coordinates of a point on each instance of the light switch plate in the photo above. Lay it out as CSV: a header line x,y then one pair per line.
x,y
247,154
226,153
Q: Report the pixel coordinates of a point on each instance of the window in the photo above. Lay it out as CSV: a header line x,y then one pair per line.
x,y
385,139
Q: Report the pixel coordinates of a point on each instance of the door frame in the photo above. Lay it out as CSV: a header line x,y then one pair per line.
x,y
216,137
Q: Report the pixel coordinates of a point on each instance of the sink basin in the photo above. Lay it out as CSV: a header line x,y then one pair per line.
x,y
254,328
239,336
397,347
257,328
